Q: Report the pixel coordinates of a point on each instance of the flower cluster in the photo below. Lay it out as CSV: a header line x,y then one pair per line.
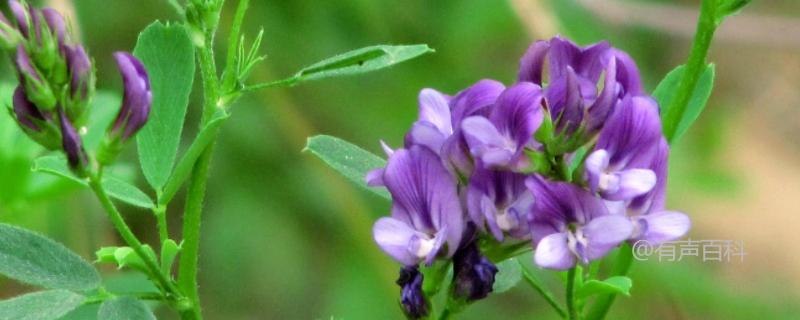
x,y
57,81
570,158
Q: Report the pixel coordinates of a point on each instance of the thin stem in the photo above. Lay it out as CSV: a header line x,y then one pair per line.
x,y
706,26
548,296
187,277
126,233
603,303
160,212
571,308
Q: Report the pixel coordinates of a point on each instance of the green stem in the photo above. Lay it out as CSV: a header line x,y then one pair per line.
x,y
571,308
603,303
160,212
127,235
548,296
187,276
445,314
706,26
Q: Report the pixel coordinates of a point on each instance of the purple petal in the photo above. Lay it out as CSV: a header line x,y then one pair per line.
x,y
426,134
655,199
72,144
595,166
563,54
662,226
604,105
374,177
393,237
138,98
632,131
518,113
562,203
423,189
475,100
486,142
434,109
593,60
456,155
532,64
628,74
552,252
55,21
604,233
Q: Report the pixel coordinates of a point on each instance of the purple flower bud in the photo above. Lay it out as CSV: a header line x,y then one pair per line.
x,y
25,110
137,100
55,21
71,142
473,274
80,70
412,298
24,66
22,15
574,72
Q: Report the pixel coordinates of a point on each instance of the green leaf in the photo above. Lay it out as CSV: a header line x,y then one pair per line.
x,y
44,305
185,165
33,259
351,161
665,92
614,285
116,187
169,250
508,275
361,61
726,8
168,54
124,308
105,106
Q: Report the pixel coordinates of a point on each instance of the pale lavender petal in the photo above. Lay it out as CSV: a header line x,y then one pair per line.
x,y
393,237
662,226
604,233
434,109
552,252
375,177
632,183
595,166
426,134
486,142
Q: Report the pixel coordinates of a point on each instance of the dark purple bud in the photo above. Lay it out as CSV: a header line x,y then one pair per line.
x,y
473,274
25,110
412,298
71,142
138,97
55,21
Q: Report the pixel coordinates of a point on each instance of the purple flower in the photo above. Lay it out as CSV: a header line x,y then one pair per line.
x,y
23,15
55,22
80,71
412,298
499,200
618,167
137,100
652,222
499,140
27,113
570,225
71,142
438,126
426,211
571,96
473,274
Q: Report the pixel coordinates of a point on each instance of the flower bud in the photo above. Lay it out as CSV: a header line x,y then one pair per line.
x,y
55,22
73,146
81,83
36,87
23,17
135,108
9,36
27,113
412,298
138,97
473,274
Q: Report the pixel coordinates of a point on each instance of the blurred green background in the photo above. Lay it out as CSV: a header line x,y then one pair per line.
x,y
284,237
